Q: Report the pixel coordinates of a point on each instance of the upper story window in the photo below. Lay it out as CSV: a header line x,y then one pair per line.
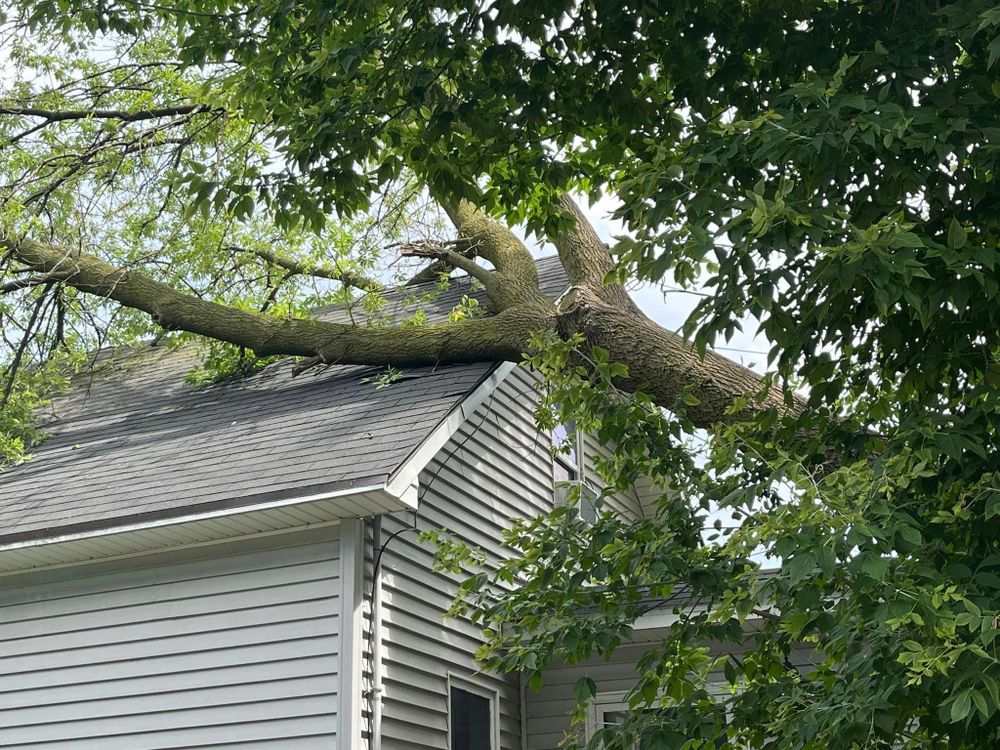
x,y
569,481
611,711
567,461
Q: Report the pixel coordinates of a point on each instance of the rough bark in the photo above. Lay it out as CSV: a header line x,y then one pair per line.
x,y
500,337
586,258
663,364
659,361
515,276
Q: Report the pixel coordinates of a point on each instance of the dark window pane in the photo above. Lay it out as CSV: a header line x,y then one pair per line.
x,y
470,721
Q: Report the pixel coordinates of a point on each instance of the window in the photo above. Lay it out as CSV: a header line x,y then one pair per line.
x,y
472,717
610,711
566,460
567,472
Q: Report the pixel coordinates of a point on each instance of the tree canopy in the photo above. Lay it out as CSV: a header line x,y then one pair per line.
x,y
823,169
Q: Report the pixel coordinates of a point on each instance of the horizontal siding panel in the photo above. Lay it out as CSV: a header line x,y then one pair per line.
x,y
495,469
136,633
320,663
209,698
194,645
179,663
75,596
281,730
241,650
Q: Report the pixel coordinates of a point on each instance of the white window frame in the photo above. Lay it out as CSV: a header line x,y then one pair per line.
x,y
477,687
613,700
562,458
587,493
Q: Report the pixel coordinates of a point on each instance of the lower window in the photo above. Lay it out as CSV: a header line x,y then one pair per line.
x,y
611,712
472,717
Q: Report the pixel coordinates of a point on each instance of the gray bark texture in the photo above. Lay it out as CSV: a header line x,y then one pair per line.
x,y
659,361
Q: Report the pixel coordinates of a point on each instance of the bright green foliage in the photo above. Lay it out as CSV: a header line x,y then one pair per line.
x,y
886,571
170,194
31,392
827,168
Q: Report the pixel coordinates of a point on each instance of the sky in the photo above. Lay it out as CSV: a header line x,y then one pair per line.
x,y
672,307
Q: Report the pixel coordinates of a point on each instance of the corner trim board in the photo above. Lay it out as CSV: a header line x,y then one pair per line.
x,y
349,712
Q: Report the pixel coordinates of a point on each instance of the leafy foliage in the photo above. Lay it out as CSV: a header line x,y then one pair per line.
x,y
108,147
827,169
19,426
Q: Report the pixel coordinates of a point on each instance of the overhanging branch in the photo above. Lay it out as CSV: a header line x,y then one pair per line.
x,y
61,115
298,268
502,337
585,257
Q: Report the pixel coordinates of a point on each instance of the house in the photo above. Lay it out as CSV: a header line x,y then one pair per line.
x,y
201,567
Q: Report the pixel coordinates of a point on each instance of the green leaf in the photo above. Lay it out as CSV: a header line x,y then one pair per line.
x,y
979,700
584,689
962,705
956,235
993,504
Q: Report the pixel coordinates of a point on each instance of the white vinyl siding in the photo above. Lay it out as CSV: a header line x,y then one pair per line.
x,y
234,651
496,468
627,504
548,710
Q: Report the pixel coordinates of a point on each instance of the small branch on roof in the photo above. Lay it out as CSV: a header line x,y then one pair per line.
x,y
765,614
434,271
307,364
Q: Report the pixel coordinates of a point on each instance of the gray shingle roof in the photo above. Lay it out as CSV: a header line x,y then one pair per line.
x,y
134,442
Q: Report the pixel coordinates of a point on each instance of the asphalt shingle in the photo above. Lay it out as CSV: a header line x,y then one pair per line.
x,y
134,441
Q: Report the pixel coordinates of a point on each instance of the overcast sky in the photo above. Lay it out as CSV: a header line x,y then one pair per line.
x,y
672,308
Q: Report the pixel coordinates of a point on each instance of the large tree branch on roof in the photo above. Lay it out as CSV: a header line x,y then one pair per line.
x,y
659,361
501,337
663,364
298,268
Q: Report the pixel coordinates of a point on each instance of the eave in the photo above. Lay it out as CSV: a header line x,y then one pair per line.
x,y
246,518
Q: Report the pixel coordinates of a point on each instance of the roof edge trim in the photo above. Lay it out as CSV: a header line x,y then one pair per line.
x,y
190,518
404,477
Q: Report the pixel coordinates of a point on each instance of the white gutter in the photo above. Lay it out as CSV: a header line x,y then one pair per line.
x,y
190,518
